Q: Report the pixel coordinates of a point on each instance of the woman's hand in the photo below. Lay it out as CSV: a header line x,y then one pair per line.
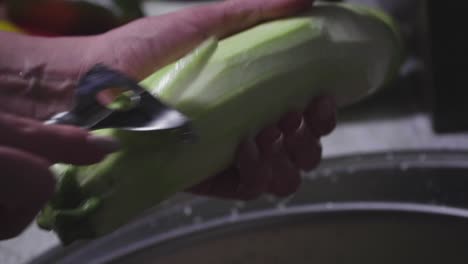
x,y
271,162
38,76
27,150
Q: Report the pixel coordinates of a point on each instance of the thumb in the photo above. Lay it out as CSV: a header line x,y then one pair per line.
x,y
55,143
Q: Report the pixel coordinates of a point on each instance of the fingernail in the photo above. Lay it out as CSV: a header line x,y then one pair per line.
x,y
106,144
269,135
278,145
291,122
326,108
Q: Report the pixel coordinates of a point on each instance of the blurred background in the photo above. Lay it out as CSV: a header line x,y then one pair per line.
x,y
419,121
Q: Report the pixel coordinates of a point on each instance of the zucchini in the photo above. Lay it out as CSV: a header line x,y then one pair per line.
x,y
230,88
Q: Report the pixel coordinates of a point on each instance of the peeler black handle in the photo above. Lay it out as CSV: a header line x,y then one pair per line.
x,y
147,113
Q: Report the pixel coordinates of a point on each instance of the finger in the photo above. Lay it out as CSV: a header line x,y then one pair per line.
x,y
55,143
285,176
192,26
268,140
223,185
228,17
24,176
320,115
246,180
290,123
25,185
303,147
255,171
286,179
15,220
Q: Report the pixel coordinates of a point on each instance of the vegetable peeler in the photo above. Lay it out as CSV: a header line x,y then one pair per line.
x,y
106,98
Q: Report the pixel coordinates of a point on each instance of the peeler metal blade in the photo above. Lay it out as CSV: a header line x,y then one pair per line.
x,y
92,110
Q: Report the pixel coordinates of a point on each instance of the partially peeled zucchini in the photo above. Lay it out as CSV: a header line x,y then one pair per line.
x,y
231,89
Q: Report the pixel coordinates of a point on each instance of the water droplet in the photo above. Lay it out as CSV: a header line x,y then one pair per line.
x,y
288,199
270,198
404,166
281,206
310,176
187,210
239,204
234,214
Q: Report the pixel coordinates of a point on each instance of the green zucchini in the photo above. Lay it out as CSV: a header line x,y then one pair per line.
x,y
230,89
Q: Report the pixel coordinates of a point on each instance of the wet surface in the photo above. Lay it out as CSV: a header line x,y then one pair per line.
x,y
389,185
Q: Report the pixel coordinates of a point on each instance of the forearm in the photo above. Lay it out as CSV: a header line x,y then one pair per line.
x,y
37,67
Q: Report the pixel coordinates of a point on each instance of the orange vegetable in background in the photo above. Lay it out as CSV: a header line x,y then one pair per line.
x,y
62,17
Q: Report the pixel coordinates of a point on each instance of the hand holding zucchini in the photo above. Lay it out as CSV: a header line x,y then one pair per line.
x,y
230,88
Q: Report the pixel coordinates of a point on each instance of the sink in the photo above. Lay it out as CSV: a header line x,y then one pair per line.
x,y
388,207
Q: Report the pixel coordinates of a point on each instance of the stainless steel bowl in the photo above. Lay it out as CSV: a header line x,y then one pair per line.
x,y
402,207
